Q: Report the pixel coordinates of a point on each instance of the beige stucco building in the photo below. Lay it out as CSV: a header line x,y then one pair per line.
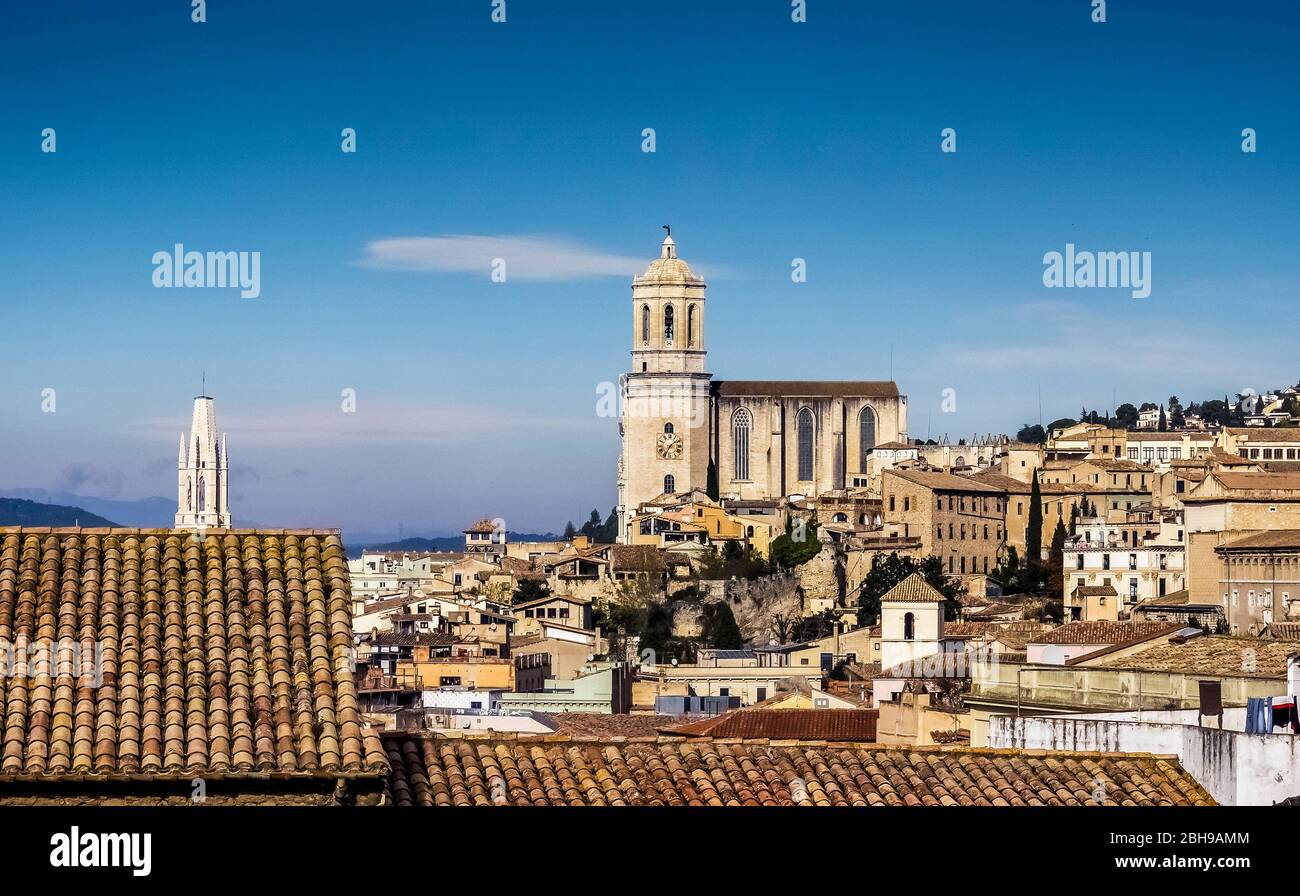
x,y
683,430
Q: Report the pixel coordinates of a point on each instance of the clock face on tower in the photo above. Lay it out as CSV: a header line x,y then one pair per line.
x,y
669,446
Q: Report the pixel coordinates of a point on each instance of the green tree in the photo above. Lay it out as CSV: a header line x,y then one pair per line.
x,y
1126,416
609,532
569,531
1031,435
1007,571
1061,423
658,631
818,625
1056,564
888,571
1164,421
719,627
529,589
797,546
1034,530
591,528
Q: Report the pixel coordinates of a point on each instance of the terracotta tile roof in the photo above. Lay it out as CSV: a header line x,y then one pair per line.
x,y
1282,631
988,611
601,726
854,725
806,388
949,664
226,656
968,629
640,557
1267,433
1212,655
1283,482
411,639
1102,632
1117,465
1272,539
1006,483
1095,591
391,603
945,482
1179,598
913,589
549,771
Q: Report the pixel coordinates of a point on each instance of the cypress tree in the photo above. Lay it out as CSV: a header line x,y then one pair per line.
x,y
1034,533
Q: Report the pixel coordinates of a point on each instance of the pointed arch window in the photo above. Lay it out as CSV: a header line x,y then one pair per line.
x,y
741,422
690,327
189,495
668,324
804,426
645,324
866,435
670,485
202,495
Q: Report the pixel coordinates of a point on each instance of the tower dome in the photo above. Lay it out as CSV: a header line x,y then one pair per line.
x,y
668,268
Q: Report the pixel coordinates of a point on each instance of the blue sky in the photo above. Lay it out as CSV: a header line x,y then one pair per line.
x,y
775,140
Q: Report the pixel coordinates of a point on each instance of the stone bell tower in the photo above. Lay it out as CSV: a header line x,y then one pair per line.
x,y
203,476
665,414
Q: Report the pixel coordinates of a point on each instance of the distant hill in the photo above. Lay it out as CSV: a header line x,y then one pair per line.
x,y
20,512
147,513
438,543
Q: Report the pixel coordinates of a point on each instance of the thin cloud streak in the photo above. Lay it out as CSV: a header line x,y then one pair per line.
x,y
372,422
527,257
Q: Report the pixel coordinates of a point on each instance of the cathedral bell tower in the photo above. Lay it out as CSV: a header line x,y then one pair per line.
x,y
203,477
665,413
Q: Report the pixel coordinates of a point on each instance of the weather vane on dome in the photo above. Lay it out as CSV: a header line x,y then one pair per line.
x,y
668,228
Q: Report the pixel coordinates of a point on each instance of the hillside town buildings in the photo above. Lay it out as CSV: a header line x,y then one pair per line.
x,y
741,609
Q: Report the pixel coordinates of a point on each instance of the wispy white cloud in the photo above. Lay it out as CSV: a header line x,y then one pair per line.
x,y
527,257
1060,335
388,422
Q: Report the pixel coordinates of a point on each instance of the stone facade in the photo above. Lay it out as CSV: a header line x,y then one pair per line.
x,y
203,477
957,518
683,430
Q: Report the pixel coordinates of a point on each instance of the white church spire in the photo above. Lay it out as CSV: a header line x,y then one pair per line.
x,y
203,477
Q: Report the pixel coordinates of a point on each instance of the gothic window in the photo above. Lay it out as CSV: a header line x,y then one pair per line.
x,y
202,492
866,434
668,324
804,426
670,485
740,424
690,327
645,324
189,495
909,627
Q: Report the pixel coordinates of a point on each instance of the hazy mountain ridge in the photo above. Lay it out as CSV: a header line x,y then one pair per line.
x,y
146,513
21,512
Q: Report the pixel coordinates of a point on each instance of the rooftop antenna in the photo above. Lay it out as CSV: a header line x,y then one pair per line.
x,y
891,360
203,384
